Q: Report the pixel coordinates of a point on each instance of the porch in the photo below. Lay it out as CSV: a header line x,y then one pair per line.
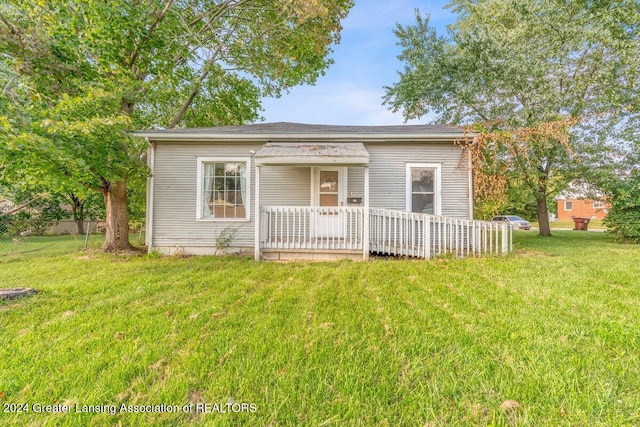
x,y
322,232
312,201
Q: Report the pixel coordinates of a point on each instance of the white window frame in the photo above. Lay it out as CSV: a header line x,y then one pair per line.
x,y
200,184
565,205
599,204
437,167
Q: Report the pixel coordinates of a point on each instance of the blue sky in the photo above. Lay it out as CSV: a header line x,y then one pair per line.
x,y
365,61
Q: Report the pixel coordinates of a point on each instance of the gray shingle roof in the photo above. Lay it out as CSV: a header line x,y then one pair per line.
x,y
286,127
285,130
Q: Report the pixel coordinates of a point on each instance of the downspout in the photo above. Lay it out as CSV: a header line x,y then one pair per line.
x,y
366,231
470,189
256,216
151,161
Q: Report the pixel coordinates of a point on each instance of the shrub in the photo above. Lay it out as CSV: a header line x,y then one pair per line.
x,y
623,219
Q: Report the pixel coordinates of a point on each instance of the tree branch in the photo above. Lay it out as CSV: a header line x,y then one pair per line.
x,y
22,206
159,17
219,10
205,73
192,95
13,29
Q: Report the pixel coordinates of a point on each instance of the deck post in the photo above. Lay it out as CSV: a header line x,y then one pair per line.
x,y
365,231
256,243
510,239
505,238
426,238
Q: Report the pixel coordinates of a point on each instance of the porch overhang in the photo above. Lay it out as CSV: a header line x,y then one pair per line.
x,y
312,153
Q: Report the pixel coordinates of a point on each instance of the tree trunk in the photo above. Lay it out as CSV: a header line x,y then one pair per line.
x,y
77,210
115,202
79,227
543,215
541,200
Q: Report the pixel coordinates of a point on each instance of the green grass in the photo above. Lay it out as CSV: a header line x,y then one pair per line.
x,y
594,224
554,327
45,246
30,247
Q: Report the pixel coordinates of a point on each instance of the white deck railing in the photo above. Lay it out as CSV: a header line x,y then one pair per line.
x,y
311,227
420,235
391,232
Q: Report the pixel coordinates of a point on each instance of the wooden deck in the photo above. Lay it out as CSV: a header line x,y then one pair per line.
x,y
309,232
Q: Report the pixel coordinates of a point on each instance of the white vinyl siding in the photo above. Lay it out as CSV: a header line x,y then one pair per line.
x,y
355,183
387,179
285,185
175,226
175,199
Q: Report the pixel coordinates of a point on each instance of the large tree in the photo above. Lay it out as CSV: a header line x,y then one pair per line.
x,y
524,72
79,74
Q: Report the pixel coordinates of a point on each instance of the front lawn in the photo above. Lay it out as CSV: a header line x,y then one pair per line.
x,y
594,224
547,336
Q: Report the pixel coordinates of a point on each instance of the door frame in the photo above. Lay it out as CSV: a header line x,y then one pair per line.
x,y
315,184
340,228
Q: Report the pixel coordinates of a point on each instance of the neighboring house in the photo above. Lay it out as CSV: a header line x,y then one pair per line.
x,y
569,208
318,191
582,200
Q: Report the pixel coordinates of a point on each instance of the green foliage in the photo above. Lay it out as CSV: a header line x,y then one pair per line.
x,y
214,58
519,200
92,204
224,239
78,75
515,66
623,219
39,213
137,198
522,62
49,204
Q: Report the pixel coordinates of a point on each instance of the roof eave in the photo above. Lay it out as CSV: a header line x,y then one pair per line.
x,y
244,137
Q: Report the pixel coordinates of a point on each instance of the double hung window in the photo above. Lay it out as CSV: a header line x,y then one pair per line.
x,y
423,188
223,192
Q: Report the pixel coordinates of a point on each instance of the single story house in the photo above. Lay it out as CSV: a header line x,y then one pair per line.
x,y
289,191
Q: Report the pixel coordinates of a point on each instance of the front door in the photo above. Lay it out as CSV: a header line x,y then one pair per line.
x,y
329,190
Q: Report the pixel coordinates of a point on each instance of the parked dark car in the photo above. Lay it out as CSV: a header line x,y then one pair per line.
x,y
516,222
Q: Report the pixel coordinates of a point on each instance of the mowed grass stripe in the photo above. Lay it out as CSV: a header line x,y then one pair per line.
x,y
553,327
